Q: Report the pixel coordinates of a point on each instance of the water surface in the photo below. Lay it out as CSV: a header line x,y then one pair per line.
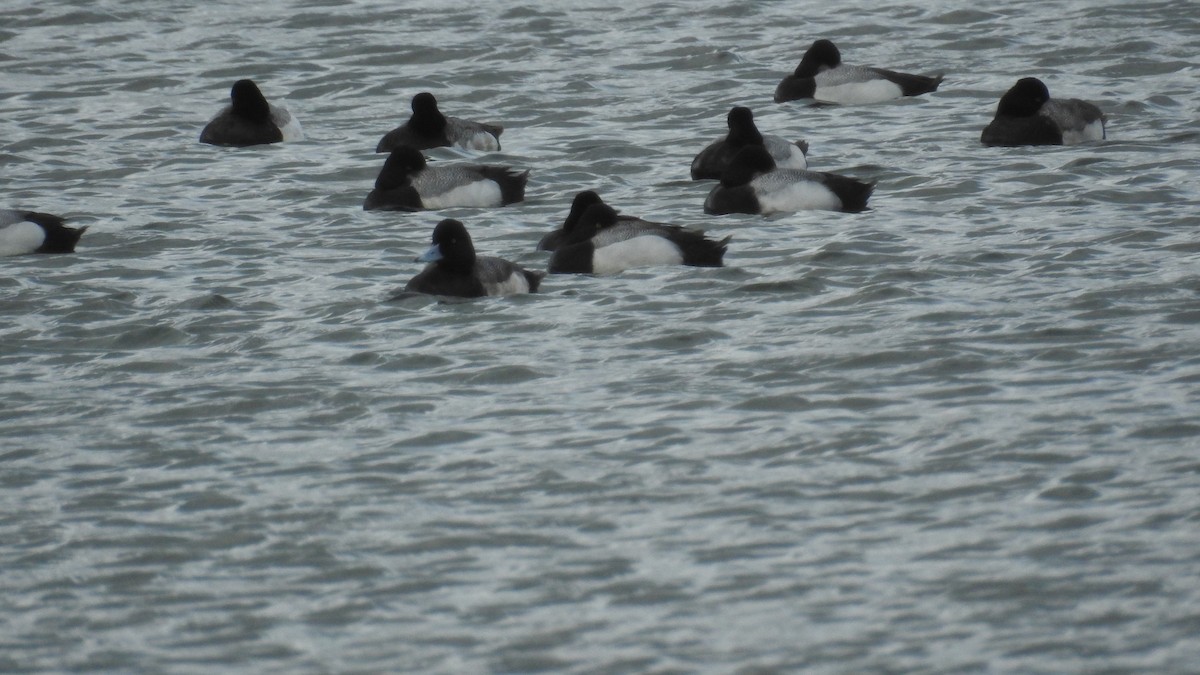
x,y
954,433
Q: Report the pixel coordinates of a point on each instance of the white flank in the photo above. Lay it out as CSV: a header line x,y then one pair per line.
x,y
23,237
1093,131
482,141
288,125
854,93
644,251
794,160
800,196
478,193
514,284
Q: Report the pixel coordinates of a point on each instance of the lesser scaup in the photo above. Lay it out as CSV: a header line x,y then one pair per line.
x,y
602,244
712,160
823,77
455,271
579,204
250,120
429,128
1026,115
407,183
752,184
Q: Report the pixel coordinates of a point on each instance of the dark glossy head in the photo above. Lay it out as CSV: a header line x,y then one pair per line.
x,y
595,218
1025,98
578,205
822,55
749,162
424,102
248,101
452,248
598,217
742,130
400,164
426,117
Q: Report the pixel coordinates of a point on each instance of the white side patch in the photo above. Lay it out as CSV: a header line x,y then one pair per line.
x,y
854,93
1093,131
644,251
288,126
800,196
479,193
514,284
482,141
23,237
794,160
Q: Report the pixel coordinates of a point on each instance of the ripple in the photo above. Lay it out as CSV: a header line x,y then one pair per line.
x,y
910,427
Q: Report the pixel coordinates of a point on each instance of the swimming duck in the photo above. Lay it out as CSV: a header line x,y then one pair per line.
x,y
455,270
250,120
603,244
752,184
823,77
1026,115
712,160
579,204
429,128
407,183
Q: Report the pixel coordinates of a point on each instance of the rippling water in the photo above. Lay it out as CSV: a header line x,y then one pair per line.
x,y
954,433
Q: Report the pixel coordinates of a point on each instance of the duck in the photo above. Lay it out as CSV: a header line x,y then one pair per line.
x,y
602,244
454,269
753,184
407,183
24,232
713,159
250,120
1026,115
579,204
823,77
429,128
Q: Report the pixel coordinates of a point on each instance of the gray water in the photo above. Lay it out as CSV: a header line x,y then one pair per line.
x,y
955,433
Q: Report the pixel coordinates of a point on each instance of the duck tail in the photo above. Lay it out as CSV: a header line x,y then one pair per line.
x,y
534,279
854,194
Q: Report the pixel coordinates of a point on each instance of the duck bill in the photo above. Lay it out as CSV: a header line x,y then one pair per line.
x,y
434,253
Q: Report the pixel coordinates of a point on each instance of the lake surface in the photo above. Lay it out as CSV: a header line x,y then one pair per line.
x,y
955,433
